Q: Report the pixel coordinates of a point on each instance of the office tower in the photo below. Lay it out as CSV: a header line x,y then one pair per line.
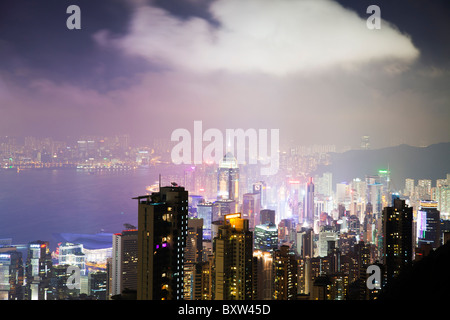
x,y
11,274
305,244
285,274
443,199
409,187
193,201
97,284
194,241
374,196
58,289
124,261
309,204
261,188
263,265
72,254
162,231
205,212
233,257
267,216
192,257
228,178
38,270
428,223
266,237
398,240
250,208
326,234
424,188
223,207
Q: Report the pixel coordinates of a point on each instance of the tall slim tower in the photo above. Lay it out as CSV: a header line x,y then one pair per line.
x,y
228,178
309,203
233,258
162,231
397,235
38,270
124,261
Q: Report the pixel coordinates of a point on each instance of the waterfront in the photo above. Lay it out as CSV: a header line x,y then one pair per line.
x,y
34,204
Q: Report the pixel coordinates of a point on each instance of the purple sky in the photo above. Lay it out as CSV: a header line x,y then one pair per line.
x,y
310,68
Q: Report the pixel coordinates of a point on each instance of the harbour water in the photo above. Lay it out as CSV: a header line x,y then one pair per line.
x,y
35,204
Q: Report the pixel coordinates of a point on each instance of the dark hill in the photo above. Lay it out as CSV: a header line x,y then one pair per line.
x,y
403,161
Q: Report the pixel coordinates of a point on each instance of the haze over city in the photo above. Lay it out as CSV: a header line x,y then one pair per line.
x,y
221,150
312,69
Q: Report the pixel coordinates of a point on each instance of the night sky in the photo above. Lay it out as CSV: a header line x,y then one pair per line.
x,y
310,68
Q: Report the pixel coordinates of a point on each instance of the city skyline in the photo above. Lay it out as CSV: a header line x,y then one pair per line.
x,y
277,150
320,78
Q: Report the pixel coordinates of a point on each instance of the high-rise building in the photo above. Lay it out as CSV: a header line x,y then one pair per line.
x,y
233,258
309,204
266,237
162,232
409,187
38,270
326,235
124,261
424,188
266,216
251,208
205,212
261,188
228,178
398,237
192,259
428,223
72,254
97,284
305,245
263,266
11,274
285,274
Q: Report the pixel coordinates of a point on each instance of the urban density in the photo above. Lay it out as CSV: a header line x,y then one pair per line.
x,y
221,232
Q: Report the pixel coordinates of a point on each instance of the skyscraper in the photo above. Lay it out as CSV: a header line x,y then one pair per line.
x,y
233,257
11,274
251,208
285,274
162,231
398,240
124,261
228,178
428,224
38,270
309,203
266,237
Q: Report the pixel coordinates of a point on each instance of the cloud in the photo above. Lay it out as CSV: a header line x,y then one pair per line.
x,y
274,37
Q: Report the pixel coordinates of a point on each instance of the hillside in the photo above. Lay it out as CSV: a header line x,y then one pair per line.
x,y
403,161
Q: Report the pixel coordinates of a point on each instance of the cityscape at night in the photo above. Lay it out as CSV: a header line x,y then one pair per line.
x,y
223,150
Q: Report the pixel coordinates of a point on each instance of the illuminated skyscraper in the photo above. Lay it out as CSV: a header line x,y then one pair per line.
x,y
251,208
124,261
162,231
309,204
285,274
205,212
233,258
428,224
228,178
38,270
266,237
398,240
11,274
